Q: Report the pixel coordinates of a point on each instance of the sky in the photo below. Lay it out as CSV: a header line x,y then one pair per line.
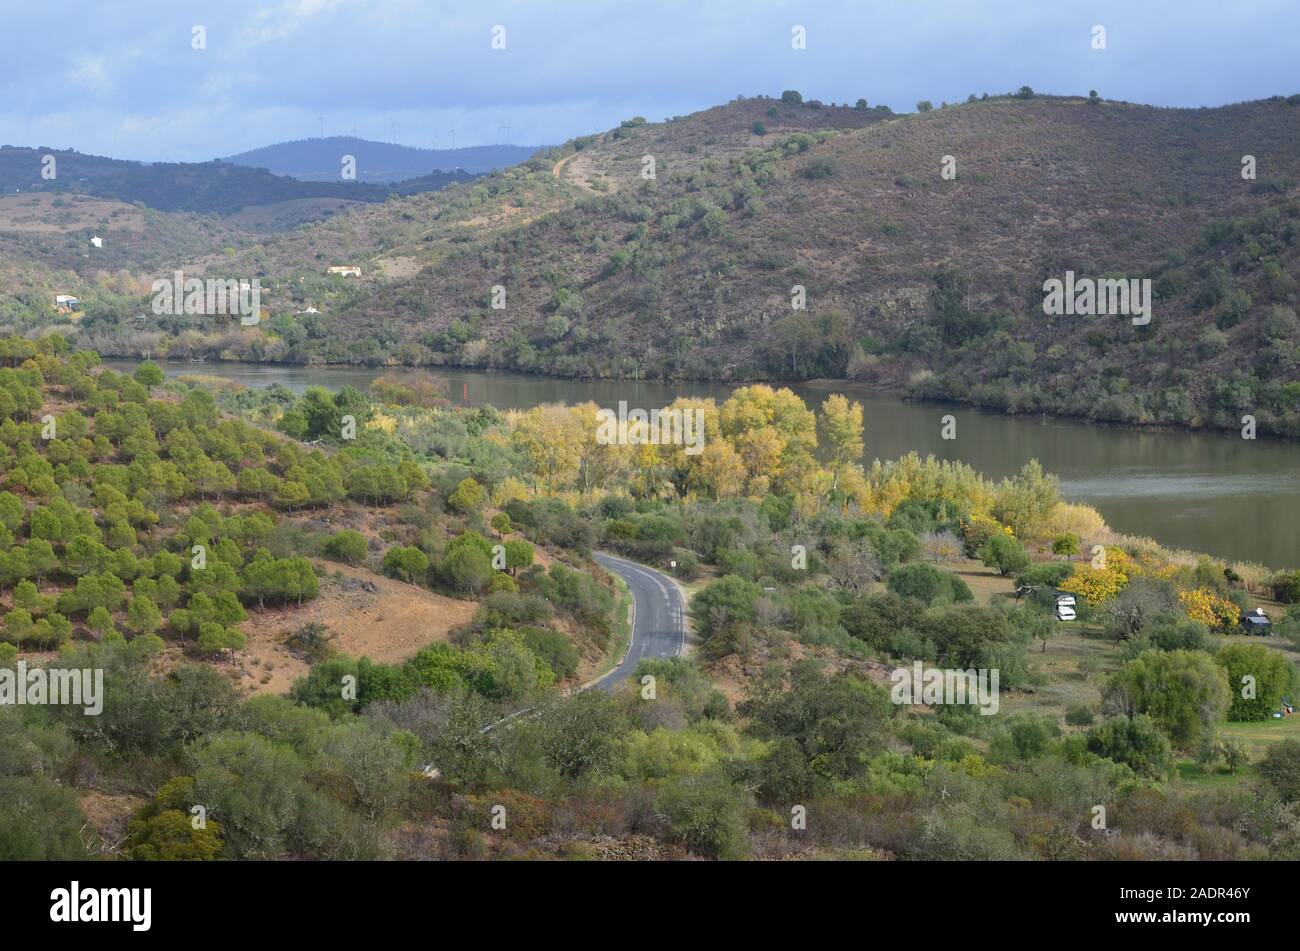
x,y
130,79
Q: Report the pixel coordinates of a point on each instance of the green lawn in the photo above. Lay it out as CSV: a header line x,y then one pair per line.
x,y
1189,773
1258,737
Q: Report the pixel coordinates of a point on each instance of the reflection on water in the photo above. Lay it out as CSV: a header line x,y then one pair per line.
x,y
1214,493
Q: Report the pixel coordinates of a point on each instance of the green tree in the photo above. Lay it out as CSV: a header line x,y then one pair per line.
x,y
965,634
148,375
467,568
468,497
580,734
519,554
39,819
1184,692
835,722
405,562
723,612
928,584
1004,554
254,788
1258,677
143,616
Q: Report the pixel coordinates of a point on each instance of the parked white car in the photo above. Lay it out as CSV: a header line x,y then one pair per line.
x,y
1065,605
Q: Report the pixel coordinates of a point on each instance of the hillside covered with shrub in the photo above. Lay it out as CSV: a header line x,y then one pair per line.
x,y
674,250
150,531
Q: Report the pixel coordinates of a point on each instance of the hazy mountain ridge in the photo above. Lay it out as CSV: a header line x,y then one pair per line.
x,y
320,159
208,187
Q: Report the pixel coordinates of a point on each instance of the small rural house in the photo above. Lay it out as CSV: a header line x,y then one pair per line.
x,y
1256,622
344,270
66,303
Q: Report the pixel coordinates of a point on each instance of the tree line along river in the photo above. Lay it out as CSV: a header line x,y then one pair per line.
x,y
1209,492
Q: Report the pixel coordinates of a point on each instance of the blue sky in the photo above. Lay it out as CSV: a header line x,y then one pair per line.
x,y
121,78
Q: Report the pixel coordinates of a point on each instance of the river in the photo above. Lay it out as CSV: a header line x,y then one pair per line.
x,y
1215,493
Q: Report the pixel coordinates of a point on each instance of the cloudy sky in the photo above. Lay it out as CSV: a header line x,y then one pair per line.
x,y
123,78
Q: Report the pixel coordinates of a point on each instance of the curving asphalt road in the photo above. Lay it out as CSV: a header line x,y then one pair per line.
x,y
658,620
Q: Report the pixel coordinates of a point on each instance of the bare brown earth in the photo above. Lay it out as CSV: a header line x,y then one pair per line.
x,y
107,816
387,624
38,214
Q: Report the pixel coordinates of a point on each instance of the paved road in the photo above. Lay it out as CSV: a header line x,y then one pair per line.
x,y
659,622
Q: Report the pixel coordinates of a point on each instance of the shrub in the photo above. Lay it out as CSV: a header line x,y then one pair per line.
x,y
553,648
1047,574
347,546
1080,714
502,582
876,618
311,642
1286,587
965,633
739,562
1137,743
707,814
1280,768
928,584
1066,544
1205,607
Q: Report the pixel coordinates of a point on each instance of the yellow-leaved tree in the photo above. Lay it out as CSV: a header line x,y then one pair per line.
x,y
550,439
842,424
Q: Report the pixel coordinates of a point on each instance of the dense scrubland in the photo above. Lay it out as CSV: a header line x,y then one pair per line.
x,y
150,530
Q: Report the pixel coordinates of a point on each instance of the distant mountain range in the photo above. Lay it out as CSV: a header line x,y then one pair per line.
x,y
321,160
206,187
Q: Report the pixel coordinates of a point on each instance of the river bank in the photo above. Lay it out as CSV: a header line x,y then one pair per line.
x,y
1194,490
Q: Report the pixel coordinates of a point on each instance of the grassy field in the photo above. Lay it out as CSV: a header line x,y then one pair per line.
x,y
1258,737
1255,737
1072,669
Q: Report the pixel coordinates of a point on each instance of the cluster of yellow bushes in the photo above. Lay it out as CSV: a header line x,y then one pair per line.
x,y
1207,607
